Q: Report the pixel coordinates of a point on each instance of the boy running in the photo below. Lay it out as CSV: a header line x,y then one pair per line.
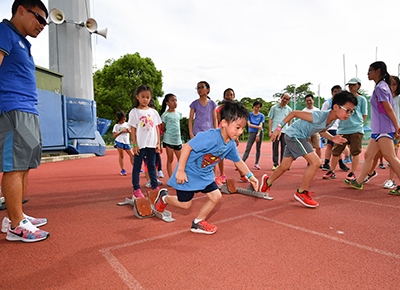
x,y
194,172
297,144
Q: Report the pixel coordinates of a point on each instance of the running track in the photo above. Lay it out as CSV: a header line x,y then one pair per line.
x,y
351,241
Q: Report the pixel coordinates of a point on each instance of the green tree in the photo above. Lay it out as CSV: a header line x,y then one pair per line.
x,y
115,85
301,92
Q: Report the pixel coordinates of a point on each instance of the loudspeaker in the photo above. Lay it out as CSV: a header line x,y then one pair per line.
x,y
91,25
102,32
57,16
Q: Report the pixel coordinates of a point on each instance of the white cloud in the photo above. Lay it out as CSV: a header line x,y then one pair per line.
x,y
255,47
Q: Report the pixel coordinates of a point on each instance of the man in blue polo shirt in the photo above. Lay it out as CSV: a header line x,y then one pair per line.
x,y
20,137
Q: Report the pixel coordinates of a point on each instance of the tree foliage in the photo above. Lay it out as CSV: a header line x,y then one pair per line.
x,y
298,98
115,85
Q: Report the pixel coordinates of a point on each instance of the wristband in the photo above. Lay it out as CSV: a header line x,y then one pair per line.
x,y
279,128
134,145
249,175
283,124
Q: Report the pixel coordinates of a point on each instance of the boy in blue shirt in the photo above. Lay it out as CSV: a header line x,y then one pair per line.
x,y
297,144
194,172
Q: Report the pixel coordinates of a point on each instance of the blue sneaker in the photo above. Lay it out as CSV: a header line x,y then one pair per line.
x,y
160,174
123,172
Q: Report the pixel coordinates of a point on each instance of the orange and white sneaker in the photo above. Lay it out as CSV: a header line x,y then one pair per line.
x,y
159,204
218,181
222,178
264,184
203,227
305,198
243,179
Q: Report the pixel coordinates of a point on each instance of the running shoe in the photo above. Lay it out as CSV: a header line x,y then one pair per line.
x,y
243,179
159,204
351,175
123,172
26,232
326,167
343,166
305,198
203,227
257,167
347,160
264,184
138,193
369,177
37,222
389,184
353,183
329,175
160,174
382,166
148,183
395,191
222,178
218,181
275,166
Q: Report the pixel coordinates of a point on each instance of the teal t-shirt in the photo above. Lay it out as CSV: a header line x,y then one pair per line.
x,y
277,114
172,134
355,123
303,129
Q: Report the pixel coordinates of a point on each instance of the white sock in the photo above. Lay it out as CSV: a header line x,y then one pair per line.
x,y
163,199
196,221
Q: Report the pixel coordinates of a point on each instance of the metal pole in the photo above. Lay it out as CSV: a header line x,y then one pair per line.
x,y
356,72
319,96
344,71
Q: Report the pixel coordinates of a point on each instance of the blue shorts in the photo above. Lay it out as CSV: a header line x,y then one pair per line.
x,y
380,135
333,133
122,145
185,196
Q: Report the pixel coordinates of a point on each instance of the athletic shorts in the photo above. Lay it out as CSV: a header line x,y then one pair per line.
x,y
380,135
185,196
333,133
355,142
122,145
315,140
20,141
174,147
296,147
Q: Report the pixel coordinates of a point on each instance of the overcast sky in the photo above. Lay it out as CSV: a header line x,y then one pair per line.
x,y
255,47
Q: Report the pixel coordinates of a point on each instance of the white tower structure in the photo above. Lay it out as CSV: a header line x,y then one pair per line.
x,y
70,48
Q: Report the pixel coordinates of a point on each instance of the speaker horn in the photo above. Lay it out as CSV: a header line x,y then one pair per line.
x,y
91,25
102,32
57,16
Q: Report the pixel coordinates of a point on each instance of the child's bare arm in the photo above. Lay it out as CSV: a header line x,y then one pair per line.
x,y
180,175
190,123
135,148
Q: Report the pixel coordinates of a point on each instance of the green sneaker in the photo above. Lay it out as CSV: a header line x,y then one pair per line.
x,y
353,183
395,191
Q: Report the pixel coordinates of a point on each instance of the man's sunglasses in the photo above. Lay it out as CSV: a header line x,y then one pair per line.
x,y
39,18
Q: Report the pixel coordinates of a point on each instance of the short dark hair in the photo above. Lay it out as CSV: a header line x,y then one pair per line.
x,y
343,97
337,87
233,111
256,103
309,95
397,80
120,115
30,4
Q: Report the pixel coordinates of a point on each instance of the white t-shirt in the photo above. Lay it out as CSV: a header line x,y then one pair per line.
x,y
124,137
311,110
146,123
325,107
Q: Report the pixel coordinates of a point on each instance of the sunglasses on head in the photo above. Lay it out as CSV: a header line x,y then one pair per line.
x,y
39,18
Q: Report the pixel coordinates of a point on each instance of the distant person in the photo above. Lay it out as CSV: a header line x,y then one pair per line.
x,y
20,137
297,144
121,133
276,115
194,172
255,124
384,126
315,139
144,122
202,111
326,106
229,95
353,130
171,126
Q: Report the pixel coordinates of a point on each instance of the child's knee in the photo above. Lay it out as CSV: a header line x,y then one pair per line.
x,y
215,196
186,204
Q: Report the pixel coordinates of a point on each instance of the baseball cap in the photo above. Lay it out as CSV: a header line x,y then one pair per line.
x,y
354,81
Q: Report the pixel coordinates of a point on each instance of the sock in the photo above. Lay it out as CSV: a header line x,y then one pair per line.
x,y
163,199
196,221
326,161
269,184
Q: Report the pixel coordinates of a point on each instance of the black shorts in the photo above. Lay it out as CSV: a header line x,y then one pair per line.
x,y
174,147
185,196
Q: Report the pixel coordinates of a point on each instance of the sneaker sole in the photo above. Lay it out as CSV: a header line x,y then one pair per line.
x,y
352,185
326,169
262,182
330,177
307,205
198,231
158,198
14,238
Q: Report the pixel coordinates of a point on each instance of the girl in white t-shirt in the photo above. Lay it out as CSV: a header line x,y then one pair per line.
x,y
121,133
145,134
